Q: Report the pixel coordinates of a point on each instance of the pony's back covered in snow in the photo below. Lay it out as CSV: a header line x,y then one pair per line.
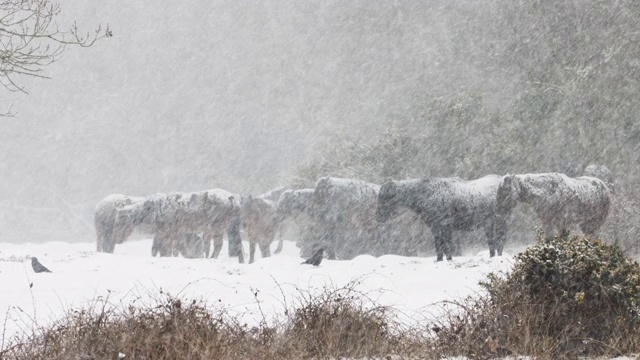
x,y
104,218
561,202
344,212
446,205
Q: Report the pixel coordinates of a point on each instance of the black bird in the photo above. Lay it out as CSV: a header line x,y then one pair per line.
x,y
316,259
37,267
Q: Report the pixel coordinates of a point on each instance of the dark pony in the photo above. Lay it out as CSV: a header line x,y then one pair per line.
x,y
260,221
446,205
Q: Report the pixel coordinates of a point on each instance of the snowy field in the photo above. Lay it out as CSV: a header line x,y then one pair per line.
x,y
80,275
412,285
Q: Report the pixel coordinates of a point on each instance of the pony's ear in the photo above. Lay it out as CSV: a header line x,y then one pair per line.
x,y
507,180
518,186
388,188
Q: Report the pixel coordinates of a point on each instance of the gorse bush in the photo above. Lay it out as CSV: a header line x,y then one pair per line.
x,y
565,297
580,275
579,286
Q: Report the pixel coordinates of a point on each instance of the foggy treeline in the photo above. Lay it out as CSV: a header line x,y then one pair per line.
x,y
248,97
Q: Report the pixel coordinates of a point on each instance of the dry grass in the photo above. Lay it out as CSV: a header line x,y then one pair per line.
x,y
337,323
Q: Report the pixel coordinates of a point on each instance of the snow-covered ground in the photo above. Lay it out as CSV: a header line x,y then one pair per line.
x,y
80,275
412,285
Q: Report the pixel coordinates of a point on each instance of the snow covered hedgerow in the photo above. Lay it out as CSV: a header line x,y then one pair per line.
x,y
336,323
166,328
565,297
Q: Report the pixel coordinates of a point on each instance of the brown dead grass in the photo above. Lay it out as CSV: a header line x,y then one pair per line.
x,y
338,323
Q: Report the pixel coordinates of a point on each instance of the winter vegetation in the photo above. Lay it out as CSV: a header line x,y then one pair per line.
x,y
488,147
562,298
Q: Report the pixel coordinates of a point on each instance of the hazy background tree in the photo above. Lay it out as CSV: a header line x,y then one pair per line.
x,y
573,74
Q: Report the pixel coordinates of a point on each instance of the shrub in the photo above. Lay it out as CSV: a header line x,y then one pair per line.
x,y
170,328
336,323
565,297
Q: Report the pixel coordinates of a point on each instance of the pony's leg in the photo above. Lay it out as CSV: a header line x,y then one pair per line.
x,y
164,248
278,249
175,242
124,235
206,243
590,229
265,246
167,245
437,240
328,241
109,241
490,233
252,247
456,243
116,236
447,242
548,231
235,240
442,238
217,243
100,236
500,234
280,240
155,246
330,246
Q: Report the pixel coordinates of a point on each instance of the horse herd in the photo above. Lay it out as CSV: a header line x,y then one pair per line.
x,y
349,217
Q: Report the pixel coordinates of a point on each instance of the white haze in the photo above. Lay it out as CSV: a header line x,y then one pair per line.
x,y
195,95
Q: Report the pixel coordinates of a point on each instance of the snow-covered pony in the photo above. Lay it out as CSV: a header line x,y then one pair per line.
x,y
175,215
344,215
295,204
260,221
601,172
274,195
190,245
446,205
561,202
104,218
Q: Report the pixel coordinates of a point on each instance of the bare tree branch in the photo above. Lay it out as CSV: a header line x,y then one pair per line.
x,y
31,40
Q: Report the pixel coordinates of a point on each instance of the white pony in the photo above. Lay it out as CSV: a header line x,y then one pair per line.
x,y
560,202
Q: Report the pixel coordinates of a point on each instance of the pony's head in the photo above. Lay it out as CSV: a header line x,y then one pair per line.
x,y
509,192
388,201
322,197
289,205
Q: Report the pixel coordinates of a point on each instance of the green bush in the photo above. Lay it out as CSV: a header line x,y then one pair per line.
x,y
565,297
579,285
